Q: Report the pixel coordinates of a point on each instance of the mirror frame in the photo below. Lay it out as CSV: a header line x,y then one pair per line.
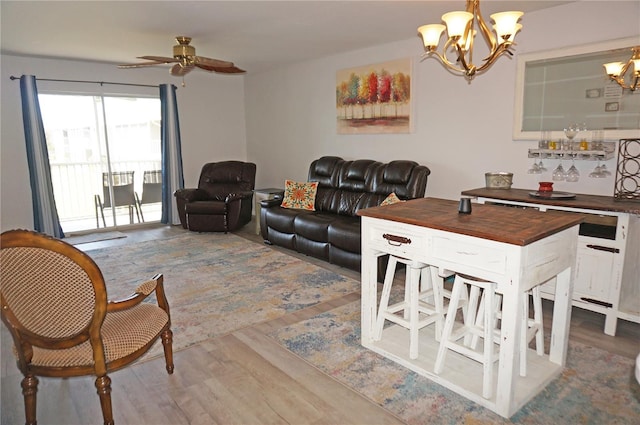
x,y
522,59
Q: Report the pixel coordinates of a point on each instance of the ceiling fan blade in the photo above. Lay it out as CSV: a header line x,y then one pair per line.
x,y
161,59
140,65
222,70
179,70
201,60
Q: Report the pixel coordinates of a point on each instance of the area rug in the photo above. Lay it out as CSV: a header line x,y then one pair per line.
x,y
94,237
217,283
597,387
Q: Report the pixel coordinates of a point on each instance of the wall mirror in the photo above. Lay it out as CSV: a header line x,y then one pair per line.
x,y
558,87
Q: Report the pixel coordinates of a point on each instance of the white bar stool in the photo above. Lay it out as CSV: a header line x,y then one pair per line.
x,y
471,329
422,304
531,327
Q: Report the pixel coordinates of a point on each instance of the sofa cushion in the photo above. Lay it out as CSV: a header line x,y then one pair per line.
x,y
344,233
282,219
300,195
314,226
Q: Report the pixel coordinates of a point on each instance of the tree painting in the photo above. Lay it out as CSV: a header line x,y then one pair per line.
x,y
374,98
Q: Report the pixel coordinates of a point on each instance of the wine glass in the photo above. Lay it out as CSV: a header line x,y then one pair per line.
x,y
559,173
573,175
571,131
597,172
535,168
604,171
541,167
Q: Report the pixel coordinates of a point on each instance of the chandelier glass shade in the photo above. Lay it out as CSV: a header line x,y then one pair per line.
x,y
617,70
461,31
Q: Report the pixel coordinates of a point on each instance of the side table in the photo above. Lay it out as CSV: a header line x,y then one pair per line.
x,y
264,194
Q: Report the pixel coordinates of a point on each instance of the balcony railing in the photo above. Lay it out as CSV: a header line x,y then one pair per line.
x,y
76,184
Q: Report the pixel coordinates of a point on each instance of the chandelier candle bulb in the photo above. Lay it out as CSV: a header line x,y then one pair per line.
x,y
513,35
431,34
456,23
506,24
617,70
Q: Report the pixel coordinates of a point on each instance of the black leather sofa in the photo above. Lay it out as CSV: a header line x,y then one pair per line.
x,y
332,231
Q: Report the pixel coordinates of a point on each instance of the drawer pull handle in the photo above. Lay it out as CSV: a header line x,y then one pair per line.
x,y
594,301
396,240
604,248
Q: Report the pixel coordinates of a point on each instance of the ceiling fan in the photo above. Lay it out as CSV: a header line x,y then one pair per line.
x,y
185,59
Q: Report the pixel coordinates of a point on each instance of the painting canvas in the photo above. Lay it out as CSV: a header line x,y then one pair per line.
x,y
374,98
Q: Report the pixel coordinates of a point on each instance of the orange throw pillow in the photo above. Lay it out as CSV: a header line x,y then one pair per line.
x,y
300,195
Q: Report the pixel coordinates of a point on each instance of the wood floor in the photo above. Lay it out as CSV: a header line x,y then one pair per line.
x,y
240,378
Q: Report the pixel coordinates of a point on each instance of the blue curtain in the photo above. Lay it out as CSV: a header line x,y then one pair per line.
x,y
45,214
172,176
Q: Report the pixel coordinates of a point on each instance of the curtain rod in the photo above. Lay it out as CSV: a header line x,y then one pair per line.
x,y
91,82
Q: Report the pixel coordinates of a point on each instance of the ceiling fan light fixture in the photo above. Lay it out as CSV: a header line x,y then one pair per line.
x,y
183,49
185,59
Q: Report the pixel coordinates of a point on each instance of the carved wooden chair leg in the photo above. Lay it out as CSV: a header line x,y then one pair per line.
x,y
167,345
103,384
29,391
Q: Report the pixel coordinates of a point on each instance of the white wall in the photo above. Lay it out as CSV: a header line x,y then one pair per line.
x,y
461,130
211,113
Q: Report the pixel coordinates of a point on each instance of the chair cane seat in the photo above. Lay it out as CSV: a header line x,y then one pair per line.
x,y
123,333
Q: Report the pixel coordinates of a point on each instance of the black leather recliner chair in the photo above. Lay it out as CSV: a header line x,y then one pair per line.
x,y
223,200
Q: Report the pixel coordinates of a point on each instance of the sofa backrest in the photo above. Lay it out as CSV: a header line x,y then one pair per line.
x,y
348,186
225,177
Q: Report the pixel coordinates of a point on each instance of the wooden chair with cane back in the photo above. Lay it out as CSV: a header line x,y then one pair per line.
x,y
54,303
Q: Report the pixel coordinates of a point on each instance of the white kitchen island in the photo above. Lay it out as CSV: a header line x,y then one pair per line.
x,y
517,249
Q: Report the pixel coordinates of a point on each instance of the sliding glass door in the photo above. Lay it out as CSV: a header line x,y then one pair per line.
x,y
102,149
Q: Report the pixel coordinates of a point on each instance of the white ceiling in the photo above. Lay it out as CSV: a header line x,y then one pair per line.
x,y
255,35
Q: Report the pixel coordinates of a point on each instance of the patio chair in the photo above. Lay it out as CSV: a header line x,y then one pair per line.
x,y
151,189
123,194
54,303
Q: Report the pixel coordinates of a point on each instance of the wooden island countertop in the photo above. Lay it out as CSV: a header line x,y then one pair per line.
x,y
508,225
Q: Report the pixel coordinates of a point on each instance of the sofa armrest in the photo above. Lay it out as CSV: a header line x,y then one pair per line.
x,y
269,203
239,195
190,195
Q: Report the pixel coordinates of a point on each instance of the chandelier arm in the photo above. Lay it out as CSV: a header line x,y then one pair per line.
x,y
484,29
469,68
443,60
460,58
489,60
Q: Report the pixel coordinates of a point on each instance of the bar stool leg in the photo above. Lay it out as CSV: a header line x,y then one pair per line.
x,y
487,374
413,275
384,299
537,317
531,327
458,287
437,286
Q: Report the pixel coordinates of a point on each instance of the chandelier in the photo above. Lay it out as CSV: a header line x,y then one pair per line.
x,y
617,70
460,26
